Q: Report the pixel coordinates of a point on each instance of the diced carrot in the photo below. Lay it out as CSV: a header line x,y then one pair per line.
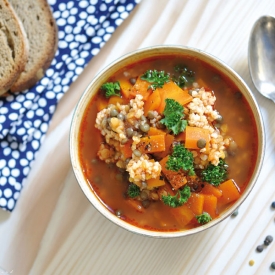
x,y
155,131
151,144
152,183
152,103
101,104
169,139
172,91
210,205
209,189
116,99
141,87
136,205
193,134
176,179
230,191
126,149
163,163
183,215
125,87
196,202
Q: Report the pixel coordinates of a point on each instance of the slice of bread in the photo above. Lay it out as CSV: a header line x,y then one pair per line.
x,y
41,30
13,47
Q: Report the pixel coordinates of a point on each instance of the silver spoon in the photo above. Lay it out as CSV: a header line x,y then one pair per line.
x,y
261,56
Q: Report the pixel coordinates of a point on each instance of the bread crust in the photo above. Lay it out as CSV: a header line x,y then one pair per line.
x,y
13,32
35,69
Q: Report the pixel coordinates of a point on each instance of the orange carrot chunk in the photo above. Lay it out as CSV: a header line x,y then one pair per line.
x,y
209,189
172,91
176,179
230,191
151,144
169,139
126,149
141,88
210,205
193,135
152,103
195,203
125,87
183,215
152,183
155,131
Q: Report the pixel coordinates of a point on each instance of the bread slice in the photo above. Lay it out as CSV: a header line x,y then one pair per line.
x,y
41,30
13,47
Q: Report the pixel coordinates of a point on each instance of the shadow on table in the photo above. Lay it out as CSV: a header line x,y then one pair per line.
x,y
4,215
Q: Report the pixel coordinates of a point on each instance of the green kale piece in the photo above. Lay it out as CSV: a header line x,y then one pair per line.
x,y
215,174
173,116
179,199
203,218
111,89
133,190
183,76
181,158
157,78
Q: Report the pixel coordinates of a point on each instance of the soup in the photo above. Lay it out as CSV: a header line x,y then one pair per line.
x,y
166,143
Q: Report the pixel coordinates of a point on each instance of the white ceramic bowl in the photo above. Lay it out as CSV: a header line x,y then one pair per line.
x,y
132,58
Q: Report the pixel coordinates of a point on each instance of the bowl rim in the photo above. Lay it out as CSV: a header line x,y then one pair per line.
x,y
159,50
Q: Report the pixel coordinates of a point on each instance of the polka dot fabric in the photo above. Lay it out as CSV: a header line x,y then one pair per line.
x,y
84,27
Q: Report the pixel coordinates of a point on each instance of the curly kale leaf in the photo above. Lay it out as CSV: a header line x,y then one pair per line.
x,y
157,78
215,174
183,76
133,190
111,89
203,218
173,116
181,158
179,199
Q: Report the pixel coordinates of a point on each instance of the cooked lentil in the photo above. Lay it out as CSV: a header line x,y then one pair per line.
x,y
260,248
268,240
235,213
201,143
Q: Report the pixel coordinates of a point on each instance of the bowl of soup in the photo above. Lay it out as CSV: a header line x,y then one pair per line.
x,y
167,141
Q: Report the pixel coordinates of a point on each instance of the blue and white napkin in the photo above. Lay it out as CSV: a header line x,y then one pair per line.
x,y
84,27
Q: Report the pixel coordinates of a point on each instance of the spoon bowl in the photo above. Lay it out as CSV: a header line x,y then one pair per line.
x,y
261,56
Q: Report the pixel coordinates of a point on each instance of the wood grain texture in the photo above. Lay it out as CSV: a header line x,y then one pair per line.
x,y
55,230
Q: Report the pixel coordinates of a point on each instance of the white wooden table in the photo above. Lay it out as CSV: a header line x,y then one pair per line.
x,y
55,230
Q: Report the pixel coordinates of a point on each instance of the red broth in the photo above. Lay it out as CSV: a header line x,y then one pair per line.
x,y
108,182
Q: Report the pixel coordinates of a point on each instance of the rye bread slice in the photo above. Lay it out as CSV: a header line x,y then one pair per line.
x,y
41,30
13,47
